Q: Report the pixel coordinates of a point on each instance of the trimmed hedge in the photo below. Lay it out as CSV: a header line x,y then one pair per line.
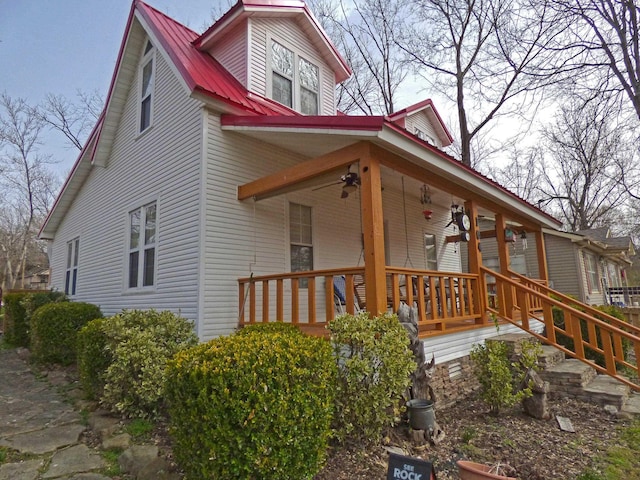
x,y
18,309
257,404
374,369
93,358
54,330
137,347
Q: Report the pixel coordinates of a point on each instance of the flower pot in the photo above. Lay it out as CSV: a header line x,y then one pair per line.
x,y
478,471
421,416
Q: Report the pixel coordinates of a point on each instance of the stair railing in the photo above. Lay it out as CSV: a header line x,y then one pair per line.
x,y
588,328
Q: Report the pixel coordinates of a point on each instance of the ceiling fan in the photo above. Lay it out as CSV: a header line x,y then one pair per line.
x,y
350,182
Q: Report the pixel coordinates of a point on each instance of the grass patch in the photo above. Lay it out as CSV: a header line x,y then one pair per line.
x,y
3,455
621,460
140,429
111,458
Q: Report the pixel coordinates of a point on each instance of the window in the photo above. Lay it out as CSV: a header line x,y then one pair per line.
x,y
71,277
146,87
300,238
295,82
142,246
430,251
592,273
423,136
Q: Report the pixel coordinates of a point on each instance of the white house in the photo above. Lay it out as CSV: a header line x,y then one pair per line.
x,y
220,170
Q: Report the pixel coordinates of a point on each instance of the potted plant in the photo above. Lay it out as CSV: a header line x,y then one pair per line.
x,y
479,471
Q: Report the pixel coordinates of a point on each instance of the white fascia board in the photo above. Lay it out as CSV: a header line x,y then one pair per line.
x,y
365,134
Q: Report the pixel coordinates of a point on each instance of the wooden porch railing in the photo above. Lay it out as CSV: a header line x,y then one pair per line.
x,y
589,328
445,300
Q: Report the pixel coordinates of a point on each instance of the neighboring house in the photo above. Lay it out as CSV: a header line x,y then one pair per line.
x,y
38,280
220,182
588,265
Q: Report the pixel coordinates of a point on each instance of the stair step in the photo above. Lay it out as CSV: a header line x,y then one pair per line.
x,y
550,356
632,405
568,378
605,390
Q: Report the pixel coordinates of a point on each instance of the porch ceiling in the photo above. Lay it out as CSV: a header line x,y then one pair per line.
x,y
318,138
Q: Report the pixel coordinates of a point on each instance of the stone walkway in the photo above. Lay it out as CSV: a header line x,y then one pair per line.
x,y
46,432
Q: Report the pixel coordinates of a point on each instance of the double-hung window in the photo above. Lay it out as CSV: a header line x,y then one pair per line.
x,y
142,246
146,86
301,239
295,81
71,275
593,279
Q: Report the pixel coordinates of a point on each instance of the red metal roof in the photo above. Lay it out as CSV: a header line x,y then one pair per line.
x,y
201,71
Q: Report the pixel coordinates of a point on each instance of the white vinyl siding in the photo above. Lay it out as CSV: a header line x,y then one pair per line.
x,y
289,34
420,121
231,52
163,165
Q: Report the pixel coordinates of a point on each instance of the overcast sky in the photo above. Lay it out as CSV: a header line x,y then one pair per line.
x,y
60,46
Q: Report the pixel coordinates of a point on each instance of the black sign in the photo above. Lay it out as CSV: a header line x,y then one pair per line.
x,y
409,468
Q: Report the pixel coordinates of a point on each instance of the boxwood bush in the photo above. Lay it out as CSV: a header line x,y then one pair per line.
x,y
93,358
257,404
137,346
54,329
18,309
375,364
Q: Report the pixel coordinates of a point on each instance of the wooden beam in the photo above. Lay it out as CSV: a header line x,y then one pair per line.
x,y
475,260
503,255
543,271
483,234
373,230
289,177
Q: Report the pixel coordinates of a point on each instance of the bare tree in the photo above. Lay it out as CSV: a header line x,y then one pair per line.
x,y
588,157
489,57
73,119
364,33
27,184
522,174
609,31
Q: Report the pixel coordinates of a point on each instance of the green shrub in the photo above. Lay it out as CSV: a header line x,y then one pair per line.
x,y
54,330
374,368
593,355
93,358
271,327
500,379
19,308
137,348
252,405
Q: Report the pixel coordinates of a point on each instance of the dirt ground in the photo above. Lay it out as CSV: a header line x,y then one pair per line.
x,y
535,449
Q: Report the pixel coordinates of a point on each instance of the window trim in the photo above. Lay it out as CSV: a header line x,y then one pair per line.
x,y
71,271
148,57
296,80
302,284
588,257
140,287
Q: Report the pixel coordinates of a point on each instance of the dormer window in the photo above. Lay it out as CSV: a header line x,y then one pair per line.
x,y
295,81
423,136
146,86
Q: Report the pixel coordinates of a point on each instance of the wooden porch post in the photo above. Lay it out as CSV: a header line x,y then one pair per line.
x,y
373,232
475,260
503,254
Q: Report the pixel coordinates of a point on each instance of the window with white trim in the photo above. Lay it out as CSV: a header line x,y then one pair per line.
x,y
591,267
147,72
295,81
300,238
142,246
71,275
430,251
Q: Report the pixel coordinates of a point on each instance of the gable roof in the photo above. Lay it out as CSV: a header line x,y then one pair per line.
x,y
429,108
296,9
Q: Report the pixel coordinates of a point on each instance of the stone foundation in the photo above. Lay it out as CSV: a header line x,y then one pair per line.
x,y
454,381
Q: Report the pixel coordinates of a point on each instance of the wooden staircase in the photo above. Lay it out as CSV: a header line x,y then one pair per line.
x,y
522,300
